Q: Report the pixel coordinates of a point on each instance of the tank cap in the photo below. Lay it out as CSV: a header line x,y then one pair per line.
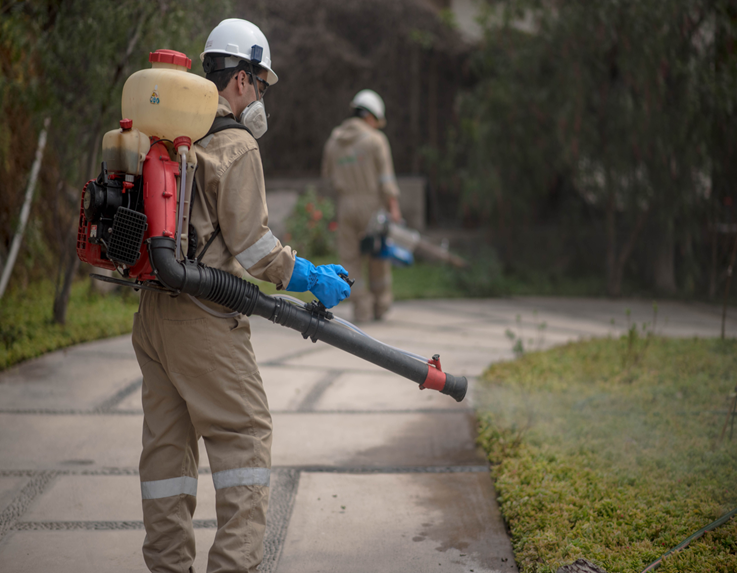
x,y
182,140
170,57
126,124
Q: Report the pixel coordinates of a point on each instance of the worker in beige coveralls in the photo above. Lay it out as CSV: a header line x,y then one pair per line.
x,y
200,377
357,160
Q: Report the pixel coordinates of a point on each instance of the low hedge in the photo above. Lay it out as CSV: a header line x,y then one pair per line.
x,y
27,329
610,450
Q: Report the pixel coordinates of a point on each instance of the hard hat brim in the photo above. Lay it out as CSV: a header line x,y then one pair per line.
x,y
271,76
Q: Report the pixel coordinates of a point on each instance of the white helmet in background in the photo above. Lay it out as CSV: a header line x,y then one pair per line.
x,y
238,39
371,102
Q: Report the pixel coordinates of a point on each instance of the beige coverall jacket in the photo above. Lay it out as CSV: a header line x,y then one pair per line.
x,y
200,377
357,160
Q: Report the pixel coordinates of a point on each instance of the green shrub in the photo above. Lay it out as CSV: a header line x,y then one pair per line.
x,y
311,227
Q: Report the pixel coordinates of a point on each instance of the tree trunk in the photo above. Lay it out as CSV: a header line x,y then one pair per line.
x,y
26,209
713,269
61,301
432,134
664,265
614,286
414,105
614,282
68,266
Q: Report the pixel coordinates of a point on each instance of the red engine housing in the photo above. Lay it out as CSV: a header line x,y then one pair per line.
x,y
159,194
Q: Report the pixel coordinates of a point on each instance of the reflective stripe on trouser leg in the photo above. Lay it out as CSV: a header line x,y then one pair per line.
x,y
168,487
168,507
241,498
241,476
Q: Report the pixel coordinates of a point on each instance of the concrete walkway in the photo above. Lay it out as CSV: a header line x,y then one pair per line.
x,y
369,473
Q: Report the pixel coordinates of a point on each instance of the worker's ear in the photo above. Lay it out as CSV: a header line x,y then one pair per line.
x,y
241,81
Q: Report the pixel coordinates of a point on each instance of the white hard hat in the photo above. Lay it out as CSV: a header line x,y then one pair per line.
x,y
240,40
371,102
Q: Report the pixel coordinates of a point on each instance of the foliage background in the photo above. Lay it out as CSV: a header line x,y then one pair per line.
x,y
599,140
69,61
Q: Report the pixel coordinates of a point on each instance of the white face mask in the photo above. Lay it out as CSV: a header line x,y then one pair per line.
x,y
254,118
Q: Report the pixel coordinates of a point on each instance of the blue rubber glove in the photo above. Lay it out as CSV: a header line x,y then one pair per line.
x,y
322,281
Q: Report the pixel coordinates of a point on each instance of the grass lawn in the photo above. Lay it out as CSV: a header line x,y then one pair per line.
x,y
27,331
608,450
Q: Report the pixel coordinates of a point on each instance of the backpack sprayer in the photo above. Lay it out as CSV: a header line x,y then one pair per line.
x,y
387,240
134,218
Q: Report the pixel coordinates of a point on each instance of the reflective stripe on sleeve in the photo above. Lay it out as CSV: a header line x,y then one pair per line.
x,y
241,476
169,487
257,251
387,178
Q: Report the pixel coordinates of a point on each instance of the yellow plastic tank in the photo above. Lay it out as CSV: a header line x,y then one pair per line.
x,y
168,102
125,149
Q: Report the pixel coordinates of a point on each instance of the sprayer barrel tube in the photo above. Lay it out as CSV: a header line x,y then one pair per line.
x,y
240,295
334,334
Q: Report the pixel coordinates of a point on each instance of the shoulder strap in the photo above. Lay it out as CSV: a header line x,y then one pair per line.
x,y
220,123
223,122
215,233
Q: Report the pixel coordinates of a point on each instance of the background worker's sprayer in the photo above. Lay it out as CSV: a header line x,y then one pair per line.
x,y
385,239
134,218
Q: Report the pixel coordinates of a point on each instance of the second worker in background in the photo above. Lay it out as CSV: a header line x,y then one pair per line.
x,y
358,162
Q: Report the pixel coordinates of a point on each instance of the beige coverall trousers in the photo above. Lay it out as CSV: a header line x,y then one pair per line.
x,y
200,379
371,298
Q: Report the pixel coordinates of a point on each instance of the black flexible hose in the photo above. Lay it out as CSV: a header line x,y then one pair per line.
x,y
242,296
683,544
